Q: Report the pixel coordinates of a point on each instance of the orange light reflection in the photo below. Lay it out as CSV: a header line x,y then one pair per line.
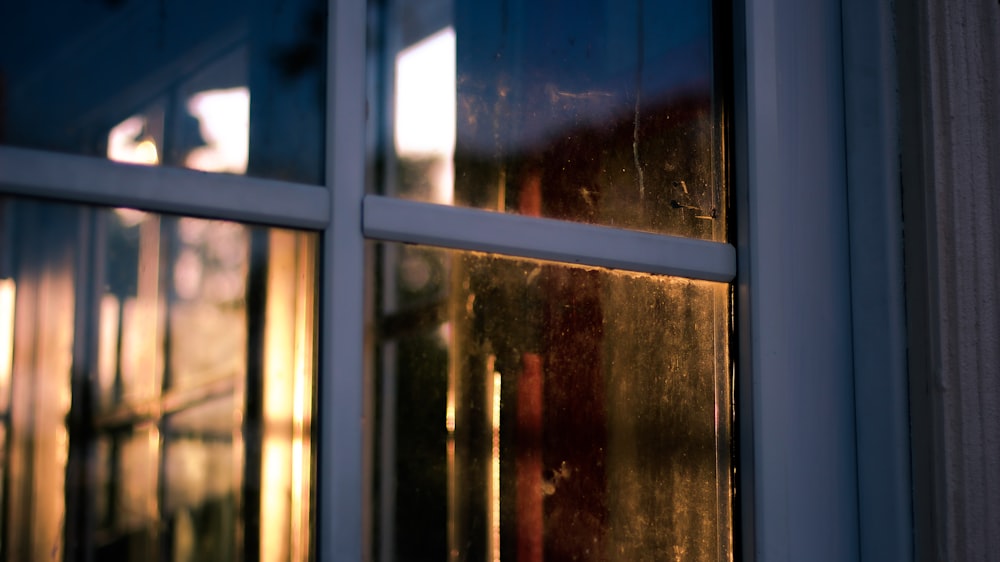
x,y
7,294
495,471
287,399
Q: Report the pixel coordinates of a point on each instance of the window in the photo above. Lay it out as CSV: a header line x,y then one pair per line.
x,y
158,386
550,375
176,93
85,82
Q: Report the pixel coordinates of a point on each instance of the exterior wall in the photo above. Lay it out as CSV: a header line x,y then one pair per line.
x,y
949,55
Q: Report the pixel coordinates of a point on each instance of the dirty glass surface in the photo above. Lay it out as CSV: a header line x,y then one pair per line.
x,y
156,386
221,85
598,111
527,410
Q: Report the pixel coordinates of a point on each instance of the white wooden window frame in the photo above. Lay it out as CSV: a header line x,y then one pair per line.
x,y
824,426
821,382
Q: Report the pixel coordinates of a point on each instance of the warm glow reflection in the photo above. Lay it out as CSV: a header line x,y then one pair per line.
x,y
275,469
107,349
449,415
495,476
146,152
274,508
127,142
130,217
183,431
583,405
142,320
287,395
425,107
301,410
224,123
7,294
166,449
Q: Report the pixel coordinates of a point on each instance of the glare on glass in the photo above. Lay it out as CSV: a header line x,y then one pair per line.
x,y
156,386
220,86
598,111
531,411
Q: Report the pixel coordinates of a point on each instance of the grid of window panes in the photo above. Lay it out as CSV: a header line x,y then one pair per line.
x,y
157,370
536,410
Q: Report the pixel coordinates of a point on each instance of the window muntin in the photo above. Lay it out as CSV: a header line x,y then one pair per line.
x,y
335,210
223,86
598,112
166,411
530,410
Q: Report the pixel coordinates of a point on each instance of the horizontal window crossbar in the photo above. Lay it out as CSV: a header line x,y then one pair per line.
x,y
96,181
462,228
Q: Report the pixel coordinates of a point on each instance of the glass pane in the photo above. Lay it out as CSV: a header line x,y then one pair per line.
x,y
599,111
532,411
221,86
158,397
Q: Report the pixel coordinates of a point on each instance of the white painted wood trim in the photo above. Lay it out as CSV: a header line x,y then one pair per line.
x,y
85,179
400,220
341,475
795,399
877,289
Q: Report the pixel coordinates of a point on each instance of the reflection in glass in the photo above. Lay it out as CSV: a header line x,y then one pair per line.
x,y
160,401
533,411
425,117
598,111
220,86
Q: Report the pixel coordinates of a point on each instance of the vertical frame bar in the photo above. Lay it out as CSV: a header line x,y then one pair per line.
x,y
879,317
341,474
796,387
